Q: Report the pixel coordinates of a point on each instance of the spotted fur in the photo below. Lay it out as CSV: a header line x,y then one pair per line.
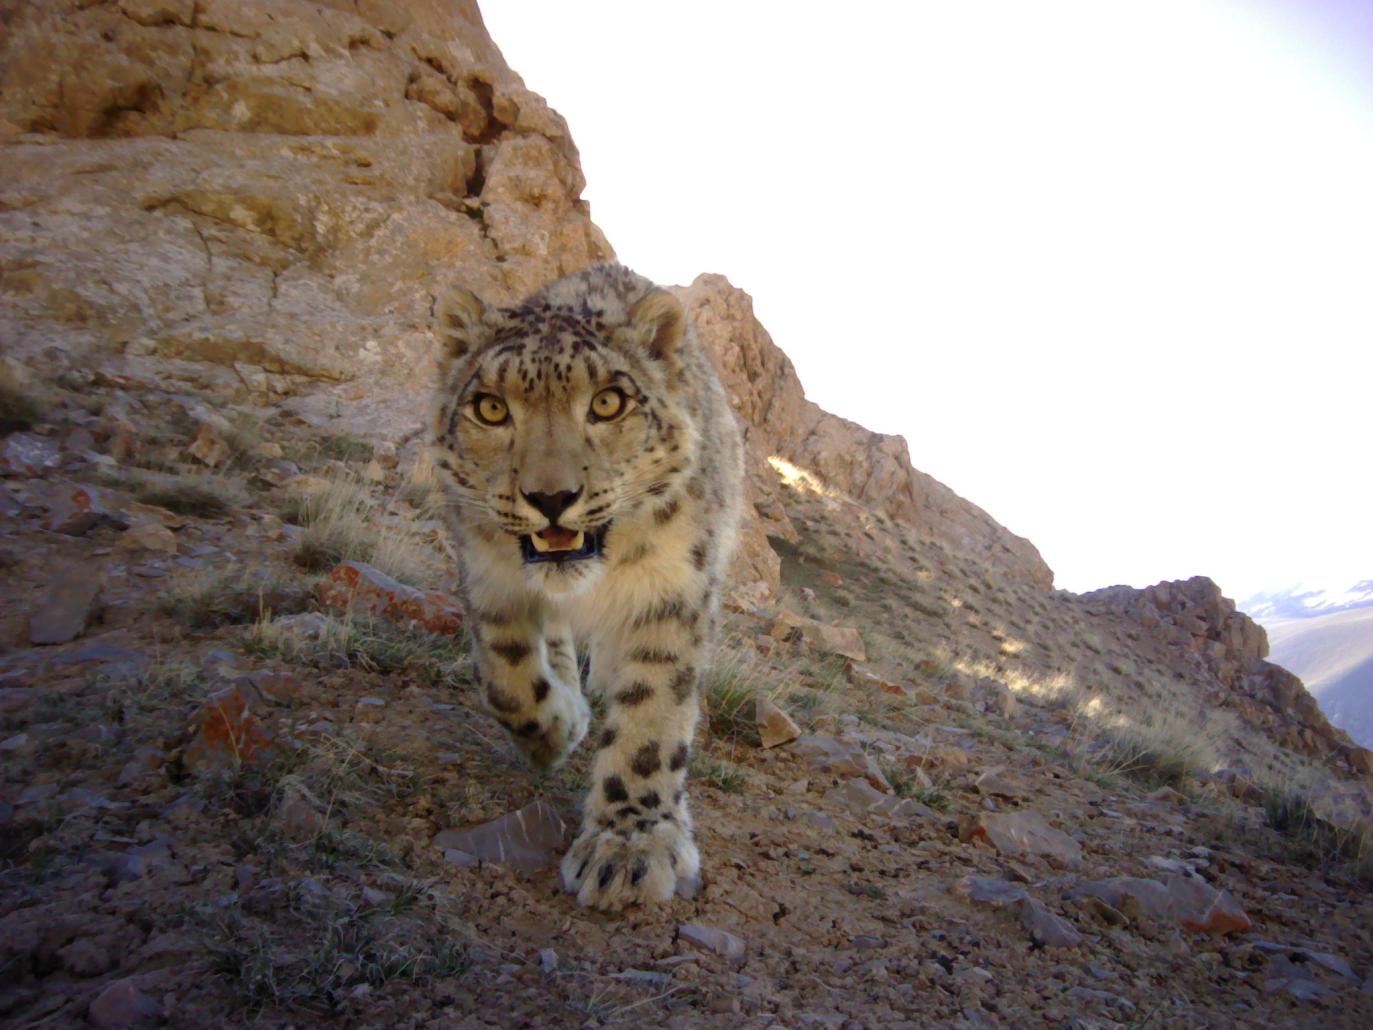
x,y
663,480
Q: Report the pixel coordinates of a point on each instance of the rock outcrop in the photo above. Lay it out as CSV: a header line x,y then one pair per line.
x,y
261,198
1228,648
872,468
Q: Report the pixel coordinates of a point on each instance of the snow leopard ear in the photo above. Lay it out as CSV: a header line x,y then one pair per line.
x,y
660,322
462,324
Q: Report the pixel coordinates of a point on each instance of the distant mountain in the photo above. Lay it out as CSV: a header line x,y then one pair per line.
x,y
1326,638
1306,602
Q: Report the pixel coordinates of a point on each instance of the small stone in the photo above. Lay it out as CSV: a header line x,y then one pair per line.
x,y
299,821
715,940
67,607
149,536
210,446
774,725
24,454
1025,832
15,743
1286,976
548,960
229,733
75,511
122,1004
821,821
990,890
1047,929
1203,909
994,782
943,757
840,640
1089,994
832,755
647,977
183,811
377,898
861,797
528,839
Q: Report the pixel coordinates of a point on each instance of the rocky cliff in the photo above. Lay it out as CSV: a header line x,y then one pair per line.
x,y
871,468
1227,649
262,199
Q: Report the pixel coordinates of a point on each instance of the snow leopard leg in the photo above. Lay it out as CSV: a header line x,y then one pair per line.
x,y
528,677
636,842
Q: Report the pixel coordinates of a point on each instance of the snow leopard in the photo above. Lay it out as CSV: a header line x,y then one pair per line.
x,y
592,476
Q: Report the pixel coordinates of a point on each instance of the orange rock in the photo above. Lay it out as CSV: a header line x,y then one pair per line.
x,y
1203,909
358,587
229,733
78,509
209,446
774,725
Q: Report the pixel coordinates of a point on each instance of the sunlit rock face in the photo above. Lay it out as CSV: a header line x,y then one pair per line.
x,y
872,469
262,199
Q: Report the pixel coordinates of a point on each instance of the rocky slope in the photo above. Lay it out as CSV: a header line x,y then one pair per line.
x,y
243,779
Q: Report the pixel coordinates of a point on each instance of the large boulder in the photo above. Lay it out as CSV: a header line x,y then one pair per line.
x,y
263,197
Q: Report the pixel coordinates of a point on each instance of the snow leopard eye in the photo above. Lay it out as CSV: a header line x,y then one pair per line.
x,y
608,404
490,410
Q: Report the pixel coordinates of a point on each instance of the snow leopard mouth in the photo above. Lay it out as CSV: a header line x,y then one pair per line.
x,y
562,545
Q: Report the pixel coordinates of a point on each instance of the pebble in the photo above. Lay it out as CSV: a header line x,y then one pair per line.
x,y
721,942
122,1004
67,606
529,839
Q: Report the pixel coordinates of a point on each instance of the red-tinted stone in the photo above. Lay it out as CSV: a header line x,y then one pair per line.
x,y
76,510
229,733
357,587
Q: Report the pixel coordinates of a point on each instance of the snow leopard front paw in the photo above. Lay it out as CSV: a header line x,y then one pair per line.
x,y
612,869
552,730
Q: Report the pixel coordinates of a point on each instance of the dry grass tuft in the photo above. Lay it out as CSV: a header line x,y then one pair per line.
x,y
238,594
203,496
370,645
343,521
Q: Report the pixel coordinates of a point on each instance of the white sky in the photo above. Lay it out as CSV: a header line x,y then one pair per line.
x,y
1107,266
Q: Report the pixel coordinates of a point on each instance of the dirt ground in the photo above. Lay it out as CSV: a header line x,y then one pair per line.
x,y
223,803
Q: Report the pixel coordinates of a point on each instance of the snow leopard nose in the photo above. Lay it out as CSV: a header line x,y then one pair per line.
x,y
553,505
